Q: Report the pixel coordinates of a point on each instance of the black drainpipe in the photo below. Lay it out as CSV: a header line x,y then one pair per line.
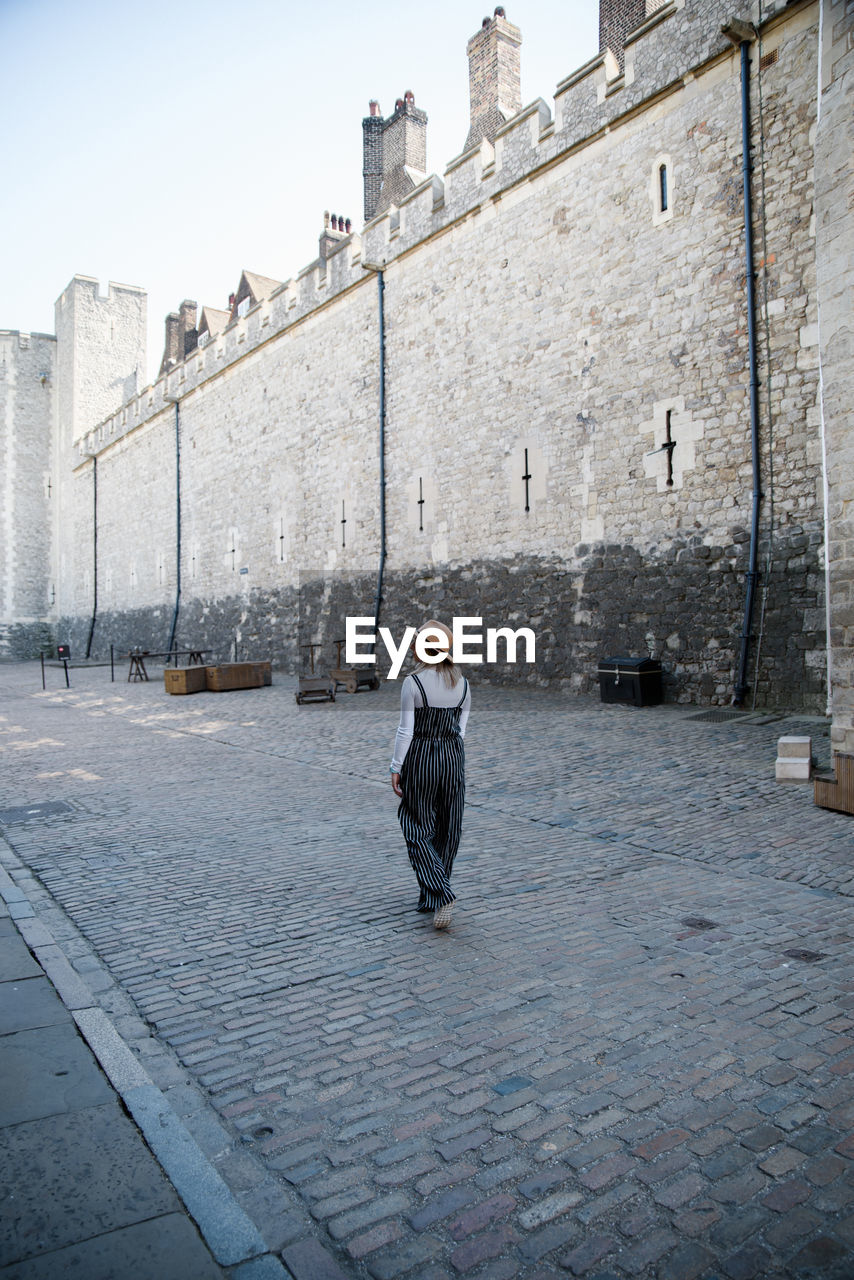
x,y
741,686
94,554
381,322
177,525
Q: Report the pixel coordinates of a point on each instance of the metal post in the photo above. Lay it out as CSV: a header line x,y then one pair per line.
x,y
41,655
177,527
94,555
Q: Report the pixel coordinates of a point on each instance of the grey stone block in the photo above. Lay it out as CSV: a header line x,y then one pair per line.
x,y
47,1071
72,990
32,1002
165,1248
15,960
266,1268
111,1051
35,933
228,1231
78,1175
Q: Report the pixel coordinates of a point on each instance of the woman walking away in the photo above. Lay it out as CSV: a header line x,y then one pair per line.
x,y
428,771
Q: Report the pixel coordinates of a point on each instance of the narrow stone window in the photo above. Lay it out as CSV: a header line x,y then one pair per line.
x,y
343,525
662,189
526,480
282,540
421,501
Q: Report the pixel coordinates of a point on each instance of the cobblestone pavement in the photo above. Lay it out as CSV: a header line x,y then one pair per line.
x,y
631,1055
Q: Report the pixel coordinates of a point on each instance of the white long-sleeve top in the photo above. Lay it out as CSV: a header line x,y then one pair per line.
x,y
439,694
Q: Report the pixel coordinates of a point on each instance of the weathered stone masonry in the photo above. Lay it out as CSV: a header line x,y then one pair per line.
x,y
567,436
28,486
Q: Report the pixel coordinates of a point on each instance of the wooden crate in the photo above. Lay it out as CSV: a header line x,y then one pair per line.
x,y
185,679
837,792
237,675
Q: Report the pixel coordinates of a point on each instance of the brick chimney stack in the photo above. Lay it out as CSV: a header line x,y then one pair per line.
x,y
495,86
372,154
181,336
616,19
395,154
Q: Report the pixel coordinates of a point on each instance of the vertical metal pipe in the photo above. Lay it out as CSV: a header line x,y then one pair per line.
x,y
381,322
752,574
94,555
177,526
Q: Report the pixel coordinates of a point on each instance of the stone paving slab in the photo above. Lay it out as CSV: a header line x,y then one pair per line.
x,y
630,1056
45,1072
155,1250
80,1193
117,1190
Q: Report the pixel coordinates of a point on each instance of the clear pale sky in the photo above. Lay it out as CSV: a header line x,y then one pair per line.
x,y
173,145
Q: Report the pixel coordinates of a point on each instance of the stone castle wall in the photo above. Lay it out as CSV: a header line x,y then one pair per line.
x,y
101,341
545,317
835,267
28,487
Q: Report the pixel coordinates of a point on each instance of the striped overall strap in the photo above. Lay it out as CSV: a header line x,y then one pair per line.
x,y
421,688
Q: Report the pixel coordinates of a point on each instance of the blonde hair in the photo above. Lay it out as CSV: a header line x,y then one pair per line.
x,y
447,668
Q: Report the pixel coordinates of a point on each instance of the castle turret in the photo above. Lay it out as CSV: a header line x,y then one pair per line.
x,y
495,86
395,154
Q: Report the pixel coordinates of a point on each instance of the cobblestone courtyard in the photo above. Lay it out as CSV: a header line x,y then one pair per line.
x,y
631,1055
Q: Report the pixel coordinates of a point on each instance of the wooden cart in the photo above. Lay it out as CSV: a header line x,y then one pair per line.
x,y
353,678
314,688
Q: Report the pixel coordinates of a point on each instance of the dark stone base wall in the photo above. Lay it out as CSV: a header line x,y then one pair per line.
x,y
684,603
21,642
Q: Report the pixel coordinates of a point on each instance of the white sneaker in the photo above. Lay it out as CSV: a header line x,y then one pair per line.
x,y
442,918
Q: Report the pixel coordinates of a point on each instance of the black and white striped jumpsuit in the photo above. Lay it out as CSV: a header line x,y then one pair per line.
x,y
433,781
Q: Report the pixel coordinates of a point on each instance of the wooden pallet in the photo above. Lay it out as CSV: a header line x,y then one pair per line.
x,y
837,792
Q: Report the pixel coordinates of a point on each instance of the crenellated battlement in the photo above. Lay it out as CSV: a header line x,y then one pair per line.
x,y
676,42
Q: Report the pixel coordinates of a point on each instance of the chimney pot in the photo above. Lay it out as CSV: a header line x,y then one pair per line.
x,y
347,226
